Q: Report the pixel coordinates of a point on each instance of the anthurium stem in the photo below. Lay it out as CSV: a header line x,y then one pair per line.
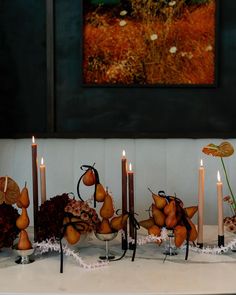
x,y
227,180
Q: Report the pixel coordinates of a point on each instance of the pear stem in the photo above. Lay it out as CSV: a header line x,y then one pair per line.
x,y
25,183
150,191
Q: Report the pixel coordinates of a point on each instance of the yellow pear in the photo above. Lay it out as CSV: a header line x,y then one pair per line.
x,y
105,227
193,231
24,198
107,209
190,211
154,230
89,177
147,223
160,202
100,193
118,222
170,208
23,221
158,216
180,234
171,220
24,242
72,235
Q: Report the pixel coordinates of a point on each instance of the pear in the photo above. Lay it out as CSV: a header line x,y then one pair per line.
x,y
193,231
159,201
89,178
24,197
24,242
147,223
154,230
118,222
18,204
180,233
107,209
105,227
158,216
23,221
100,193
173,198
190,211
171,220
72,235
171,207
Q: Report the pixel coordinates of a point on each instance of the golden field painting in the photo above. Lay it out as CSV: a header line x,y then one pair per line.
x,y
149,42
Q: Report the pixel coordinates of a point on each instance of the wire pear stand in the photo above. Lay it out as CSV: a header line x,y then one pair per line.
x,y
170,248
106,238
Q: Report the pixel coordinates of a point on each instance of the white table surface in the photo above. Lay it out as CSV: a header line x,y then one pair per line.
x,y
200,274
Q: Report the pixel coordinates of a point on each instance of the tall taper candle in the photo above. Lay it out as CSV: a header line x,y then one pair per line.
x,y
124,197
42,169
201,179
220,211
131,203
35,186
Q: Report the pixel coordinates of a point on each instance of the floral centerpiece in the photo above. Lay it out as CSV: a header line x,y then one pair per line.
x,y
64,216
81,212
225,149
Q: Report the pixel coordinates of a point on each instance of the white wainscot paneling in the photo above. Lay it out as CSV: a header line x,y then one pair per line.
x,y
161,164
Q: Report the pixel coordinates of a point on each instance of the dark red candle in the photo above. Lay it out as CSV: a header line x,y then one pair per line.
x,y
131,202
124,196
35,186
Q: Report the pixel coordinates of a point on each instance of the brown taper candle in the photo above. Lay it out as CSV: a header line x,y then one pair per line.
x,y
124,197
131,203
35,186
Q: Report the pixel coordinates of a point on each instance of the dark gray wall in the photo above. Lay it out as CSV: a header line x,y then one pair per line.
x,y
106,111
22,67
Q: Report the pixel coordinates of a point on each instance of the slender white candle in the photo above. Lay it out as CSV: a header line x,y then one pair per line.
x,y
201,180
43,181
220,205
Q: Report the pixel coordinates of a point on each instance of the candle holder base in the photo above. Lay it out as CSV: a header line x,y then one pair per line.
x,y
106,238
24,256
221,241
200,245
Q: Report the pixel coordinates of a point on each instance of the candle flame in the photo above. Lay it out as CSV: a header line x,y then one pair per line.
x,y
33,140
42,161
123,153
218,176
201,163
130,167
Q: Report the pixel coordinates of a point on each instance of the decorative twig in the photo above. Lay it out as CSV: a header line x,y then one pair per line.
x,y
227,180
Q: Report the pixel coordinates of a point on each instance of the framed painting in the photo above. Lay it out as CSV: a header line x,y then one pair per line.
x,y
149,42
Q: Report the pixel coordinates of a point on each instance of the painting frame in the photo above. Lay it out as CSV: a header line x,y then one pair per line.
x,y
136,112
189,55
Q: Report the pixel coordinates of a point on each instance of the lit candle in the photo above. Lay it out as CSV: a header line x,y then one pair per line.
x,y
201,179
43,181
220,211
124,196
131,203
35,185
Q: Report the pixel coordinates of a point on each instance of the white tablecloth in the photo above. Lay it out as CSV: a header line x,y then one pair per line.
x,y
200,274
